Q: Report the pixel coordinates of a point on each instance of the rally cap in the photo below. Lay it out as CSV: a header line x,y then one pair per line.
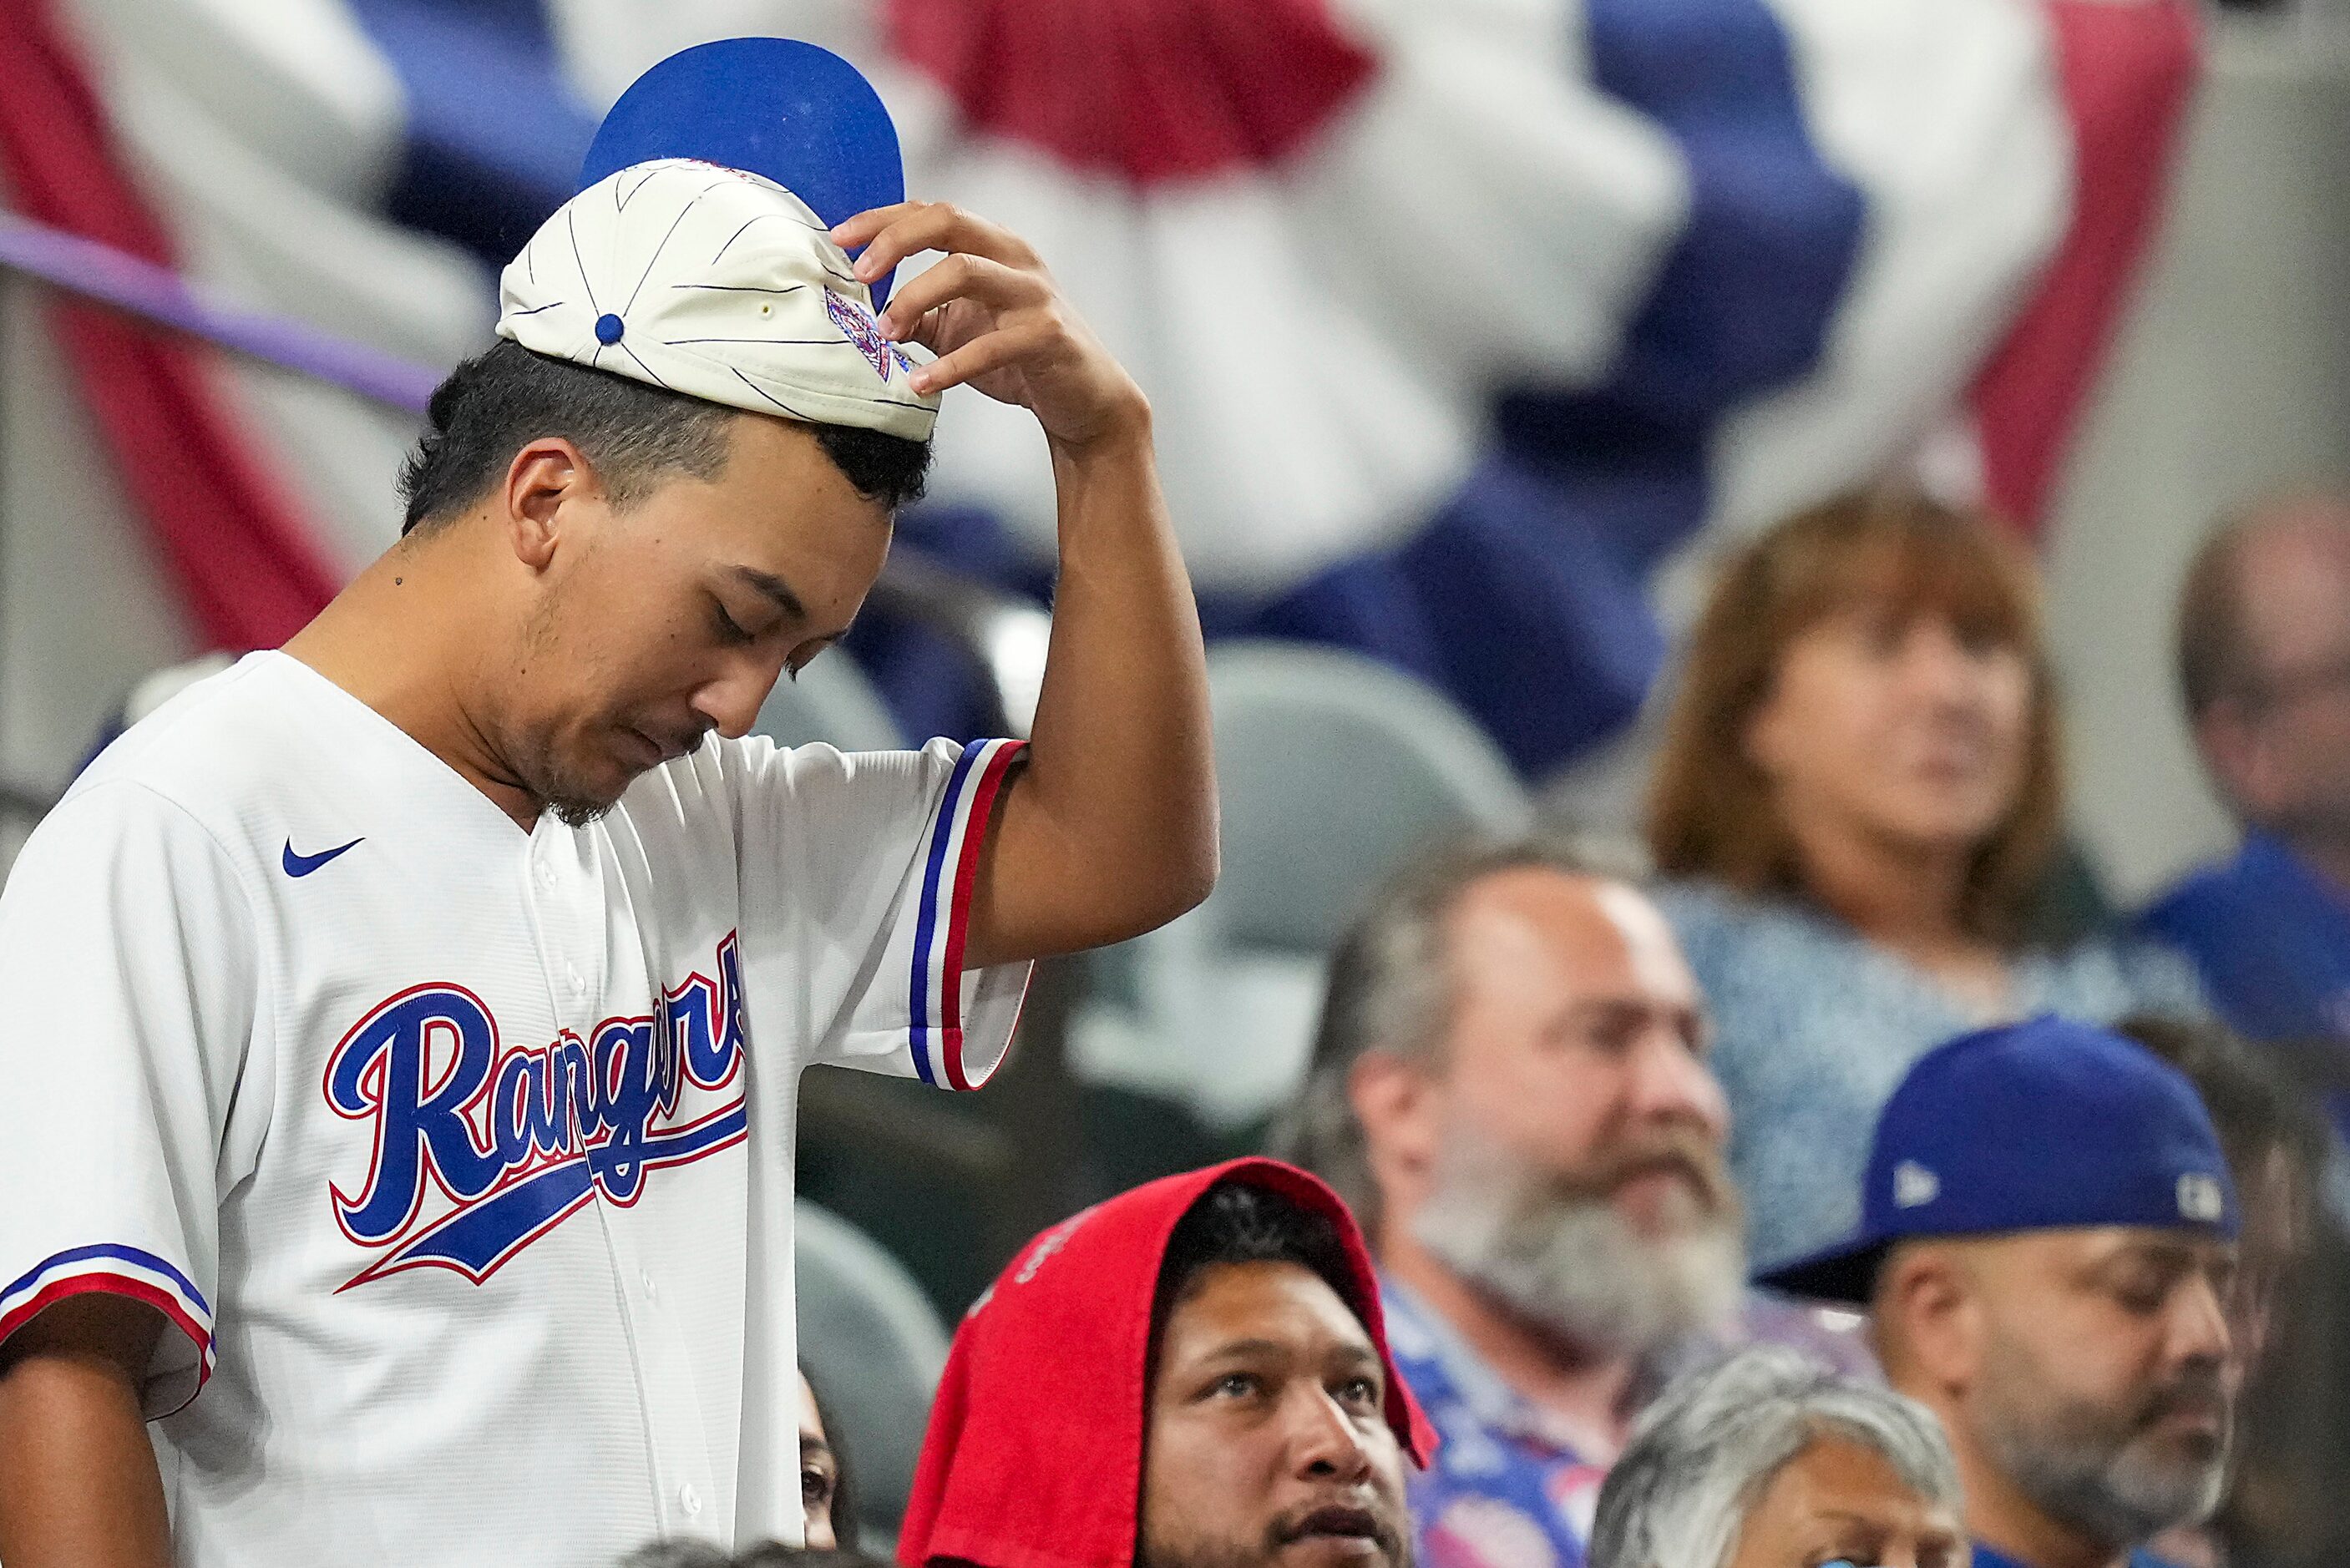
x,y
717,283
2038,1125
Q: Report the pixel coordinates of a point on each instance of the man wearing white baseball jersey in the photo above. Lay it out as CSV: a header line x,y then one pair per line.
x,y
404,1027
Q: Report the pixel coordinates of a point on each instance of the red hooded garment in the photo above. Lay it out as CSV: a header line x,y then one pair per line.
x,y
1033,1456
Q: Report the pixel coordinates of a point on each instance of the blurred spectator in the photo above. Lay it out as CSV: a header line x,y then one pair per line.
x,y
1859,796
830,1513
1510,1088
766,1554
2047,1247
2293,1443
1770,1461
2276,1151
1191,1374
2264,671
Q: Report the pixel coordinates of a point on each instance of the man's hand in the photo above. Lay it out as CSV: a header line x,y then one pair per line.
x,y
78,1484
995,319
1109,829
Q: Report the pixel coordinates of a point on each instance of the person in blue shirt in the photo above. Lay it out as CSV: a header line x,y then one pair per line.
x,y
2046,1247
2264,672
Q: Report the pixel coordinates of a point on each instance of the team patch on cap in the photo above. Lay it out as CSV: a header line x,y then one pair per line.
x,y
715,283
2201,1199
1914,1186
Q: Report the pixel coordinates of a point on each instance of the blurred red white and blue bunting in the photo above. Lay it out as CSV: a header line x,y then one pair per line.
x,y
1462,319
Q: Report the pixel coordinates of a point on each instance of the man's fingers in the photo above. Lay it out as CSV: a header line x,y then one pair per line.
x,y
891,234
989,352
975,278
851,232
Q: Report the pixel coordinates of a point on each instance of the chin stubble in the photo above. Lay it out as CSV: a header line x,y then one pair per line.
x,y
2092,1470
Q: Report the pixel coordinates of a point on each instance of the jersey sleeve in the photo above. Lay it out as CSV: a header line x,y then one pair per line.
x,y
127,979
857,870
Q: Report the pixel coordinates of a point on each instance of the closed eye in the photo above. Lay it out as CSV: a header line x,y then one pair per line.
x,y
726,628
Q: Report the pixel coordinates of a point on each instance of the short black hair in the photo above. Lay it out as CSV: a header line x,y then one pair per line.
x,y
1236,1221
493,403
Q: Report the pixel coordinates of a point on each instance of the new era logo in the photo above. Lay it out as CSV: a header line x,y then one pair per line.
x,y
1914,1186
2201,1199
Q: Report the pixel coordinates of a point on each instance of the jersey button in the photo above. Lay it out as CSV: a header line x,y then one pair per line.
x,y
689,1500
579,981
650,1290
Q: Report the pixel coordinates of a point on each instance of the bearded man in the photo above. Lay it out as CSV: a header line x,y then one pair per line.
x,y
2048,1248
1510,1087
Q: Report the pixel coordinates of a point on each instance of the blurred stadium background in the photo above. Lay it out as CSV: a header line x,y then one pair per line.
x,y
1474,327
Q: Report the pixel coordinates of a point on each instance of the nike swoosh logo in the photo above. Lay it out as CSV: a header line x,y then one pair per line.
x,y
303,864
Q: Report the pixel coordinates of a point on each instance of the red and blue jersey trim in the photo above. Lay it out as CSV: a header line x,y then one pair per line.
x,y
117,1270
939,922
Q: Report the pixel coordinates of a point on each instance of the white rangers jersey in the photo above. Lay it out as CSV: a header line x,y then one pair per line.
x,y
460,1159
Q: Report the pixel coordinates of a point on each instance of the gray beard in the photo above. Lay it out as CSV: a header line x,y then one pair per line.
x,y
2081,1471
1575,1265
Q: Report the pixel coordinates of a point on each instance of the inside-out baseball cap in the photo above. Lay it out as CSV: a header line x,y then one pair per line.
x,y
700,263
2042,1124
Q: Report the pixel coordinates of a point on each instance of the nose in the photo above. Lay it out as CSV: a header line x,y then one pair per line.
x,y
1672,1083
1936,662
2199,1322
730,701
1324,1442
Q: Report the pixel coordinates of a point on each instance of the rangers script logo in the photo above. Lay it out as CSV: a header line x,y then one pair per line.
x,y
514,1140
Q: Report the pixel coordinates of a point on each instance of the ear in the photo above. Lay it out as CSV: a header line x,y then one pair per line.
x,y
1928,1317
2236,750
546,486
1400,1110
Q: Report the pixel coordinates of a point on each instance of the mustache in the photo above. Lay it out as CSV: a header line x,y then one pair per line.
x,y
2198,1391
1674,1152
1371,1522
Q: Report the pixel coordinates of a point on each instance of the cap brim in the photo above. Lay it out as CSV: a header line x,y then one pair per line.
x,y
1845,1273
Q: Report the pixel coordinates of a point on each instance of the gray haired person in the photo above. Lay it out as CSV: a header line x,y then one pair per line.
x,y
1770,1461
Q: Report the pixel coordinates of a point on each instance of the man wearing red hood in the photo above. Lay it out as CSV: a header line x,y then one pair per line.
x,y
1191,1374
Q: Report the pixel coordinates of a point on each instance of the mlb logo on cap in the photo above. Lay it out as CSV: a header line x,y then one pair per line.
x,y
2042,1124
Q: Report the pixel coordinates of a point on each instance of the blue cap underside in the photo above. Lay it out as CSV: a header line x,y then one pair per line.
x,y
800,114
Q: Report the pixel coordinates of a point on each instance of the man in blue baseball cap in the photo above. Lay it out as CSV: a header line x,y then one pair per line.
x,y
2047,1239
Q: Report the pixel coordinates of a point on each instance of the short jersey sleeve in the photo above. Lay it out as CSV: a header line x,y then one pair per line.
x,y
857,874
127,982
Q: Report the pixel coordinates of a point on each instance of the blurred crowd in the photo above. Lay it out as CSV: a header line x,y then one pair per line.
x,y
1838,1180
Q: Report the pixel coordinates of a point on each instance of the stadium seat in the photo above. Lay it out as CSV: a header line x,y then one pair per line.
x,y
1332,770
874,1349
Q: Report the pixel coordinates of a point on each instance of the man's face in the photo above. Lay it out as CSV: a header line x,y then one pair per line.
x,y
1268,1441
819,1475
2283,751
661,621
2101,1387
1577,1171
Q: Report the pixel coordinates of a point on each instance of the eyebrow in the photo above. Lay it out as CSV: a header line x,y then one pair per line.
x,y
775,588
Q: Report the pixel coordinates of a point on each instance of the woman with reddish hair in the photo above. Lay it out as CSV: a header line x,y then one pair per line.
x,y
1858,807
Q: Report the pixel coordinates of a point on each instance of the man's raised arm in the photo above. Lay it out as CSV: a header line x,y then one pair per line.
x,y
78,1484
1111,827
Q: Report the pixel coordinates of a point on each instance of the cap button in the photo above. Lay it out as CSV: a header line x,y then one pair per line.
x,y
609,328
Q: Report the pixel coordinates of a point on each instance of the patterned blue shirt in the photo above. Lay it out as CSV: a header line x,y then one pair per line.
x,y
1509,1488
1815,1026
